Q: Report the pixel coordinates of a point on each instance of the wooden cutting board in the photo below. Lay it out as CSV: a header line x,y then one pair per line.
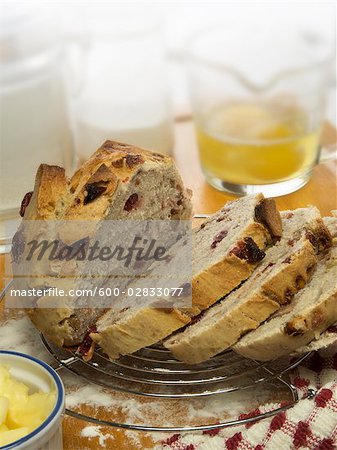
x,y
320,191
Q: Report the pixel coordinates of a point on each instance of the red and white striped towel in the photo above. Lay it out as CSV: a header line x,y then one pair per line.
x,y
310,425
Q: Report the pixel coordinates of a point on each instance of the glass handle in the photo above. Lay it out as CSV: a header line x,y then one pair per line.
x,y
328,153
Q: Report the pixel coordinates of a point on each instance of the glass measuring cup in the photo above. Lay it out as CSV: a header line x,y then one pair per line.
x,y
258,93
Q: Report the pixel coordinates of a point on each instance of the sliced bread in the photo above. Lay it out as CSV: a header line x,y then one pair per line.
x,y
328,337
312,311
284,271
226,249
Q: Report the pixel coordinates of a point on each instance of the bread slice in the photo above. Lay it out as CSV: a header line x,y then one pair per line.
x,y
328,337
119,182
42,204
285,270
226,249
312,311
50,193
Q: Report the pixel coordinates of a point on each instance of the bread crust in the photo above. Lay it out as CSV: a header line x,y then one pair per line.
x,y
46,203
51,185
53,323
115,164
268,215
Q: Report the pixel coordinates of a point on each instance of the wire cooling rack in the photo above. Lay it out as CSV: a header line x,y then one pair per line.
x,y
153,372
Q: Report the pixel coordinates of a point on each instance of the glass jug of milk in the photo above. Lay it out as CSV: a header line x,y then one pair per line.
x,y
123,95
34,120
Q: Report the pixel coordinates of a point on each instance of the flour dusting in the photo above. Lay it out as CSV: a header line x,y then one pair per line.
x,y
19,334
92,431
89,394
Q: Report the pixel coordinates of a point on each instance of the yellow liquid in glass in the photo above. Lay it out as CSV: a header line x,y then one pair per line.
x,y
252,143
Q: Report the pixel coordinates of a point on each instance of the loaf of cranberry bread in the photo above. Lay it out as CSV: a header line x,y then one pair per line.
x,y
226,249
119,182
284,271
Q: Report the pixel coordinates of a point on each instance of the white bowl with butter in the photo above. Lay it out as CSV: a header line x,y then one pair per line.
x,y
32,403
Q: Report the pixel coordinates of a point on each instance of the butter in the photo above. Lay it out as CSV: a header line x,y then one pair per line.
x,y
20,411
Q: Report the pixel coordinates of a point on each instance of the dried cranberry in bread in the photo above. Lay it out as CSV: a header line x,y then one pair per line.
x,y
284,271
119,181
226,249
